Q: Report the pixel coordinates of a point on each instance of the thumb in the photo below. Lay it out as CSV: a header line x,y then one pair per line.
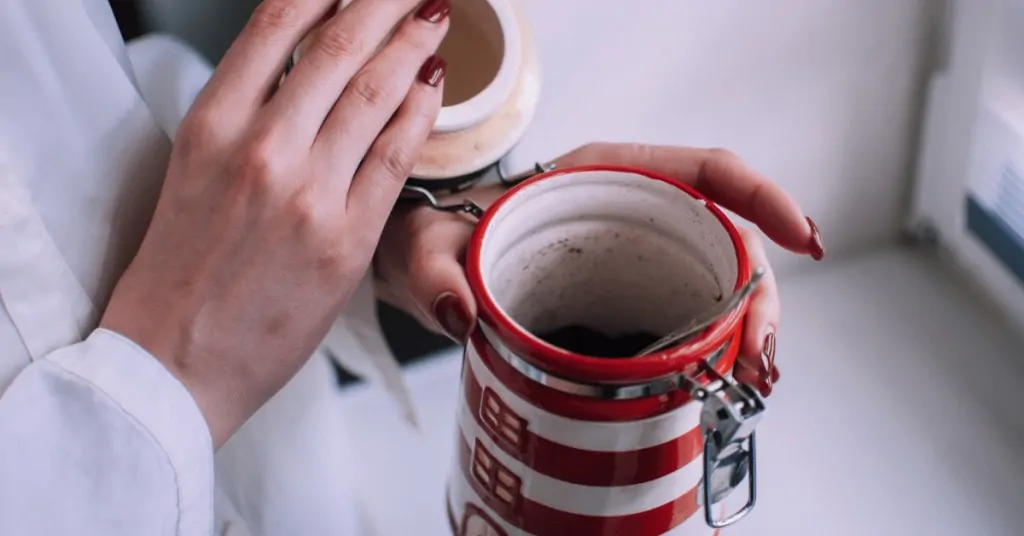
x,y
437,282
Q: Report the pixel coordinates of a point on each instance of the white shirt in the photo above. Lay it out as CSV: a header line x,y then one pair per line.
x,y
96,437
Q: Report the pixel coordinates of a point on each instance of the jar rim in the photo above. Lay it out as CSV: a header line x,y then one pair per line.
x,y
558,361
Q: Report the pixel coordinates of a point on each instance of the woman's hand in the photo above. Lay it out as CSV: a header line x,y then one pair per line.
x,y
419,263
275,197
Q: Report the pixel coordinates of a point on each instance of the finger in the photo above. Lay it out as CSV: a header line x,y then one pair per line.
x,y
757,347
723,178
437,279
744,373
253,64
340,49
435,270
387,165
372,97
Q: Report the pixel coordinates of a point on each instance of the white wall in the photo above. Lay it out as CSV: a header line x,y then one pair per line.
x,y
821,95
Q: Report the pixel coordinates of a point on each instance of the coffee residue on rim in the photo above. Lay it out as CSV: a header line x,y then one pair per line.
x,y
593,343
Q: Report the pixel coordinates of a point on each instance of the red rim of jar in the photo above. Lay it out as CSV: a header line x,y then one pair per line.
x,y
580,367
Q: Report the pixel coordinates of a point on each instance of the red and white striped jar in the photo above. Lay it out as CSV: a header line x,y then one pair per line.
x,y
617,250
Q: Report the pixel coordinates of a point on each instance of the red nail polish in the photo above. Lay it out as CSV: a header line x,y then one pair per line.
x,y
452,317
433,70
775,375
768,353
765,387
817,248
434,10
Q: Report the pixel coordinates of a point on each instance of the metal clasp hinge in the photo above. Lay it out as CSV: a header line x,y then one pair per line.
x,y
538,169
466,207
728,419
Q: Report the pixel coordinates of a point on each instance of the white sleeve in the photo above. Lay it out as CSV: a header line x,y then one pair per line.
x,y
98,438
356,342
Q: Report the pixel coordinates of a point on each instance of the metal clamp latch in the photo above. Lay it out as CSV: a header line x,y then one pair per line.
x,y
730,414
468,206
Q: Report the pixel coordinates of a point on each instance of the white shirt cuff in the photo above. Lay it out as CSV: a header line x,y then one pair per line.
x,y
157,402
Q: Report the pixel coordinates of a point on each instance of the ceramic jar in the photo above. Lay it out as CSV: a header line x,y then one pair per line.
x,y
550,442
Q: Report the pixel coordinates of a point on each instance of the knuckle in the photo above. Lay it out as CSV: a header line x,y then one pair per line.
x,y
303,212
332,262
338,43
314,227
274,16
595,151
314,224
260,167
717,161
205,125
396,161
639,152
198,132
370,91
748,235
423,116
723,157
591,149
415,38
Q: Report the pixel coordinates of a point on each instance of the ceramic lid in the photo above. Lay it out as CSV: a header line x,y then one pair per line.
x,y
450,156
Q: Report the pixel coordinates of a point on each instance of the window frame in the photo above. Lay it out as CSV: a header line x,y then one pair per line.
x,y
955,100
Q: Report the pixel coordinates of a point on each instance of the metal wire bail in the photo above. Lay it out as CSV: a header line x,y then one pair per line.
x,y
538,168
466,207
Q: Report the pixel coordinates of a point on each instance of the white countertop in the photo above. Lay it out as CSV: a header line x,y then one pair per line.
x,y
897,413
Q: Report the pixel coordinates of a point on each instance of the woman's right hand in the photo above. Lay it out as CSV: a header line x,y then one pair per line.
x,y
275,197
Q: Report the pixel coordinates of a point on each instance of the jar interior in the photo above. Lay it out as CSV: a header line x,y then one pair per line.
x,y
604,262
474,49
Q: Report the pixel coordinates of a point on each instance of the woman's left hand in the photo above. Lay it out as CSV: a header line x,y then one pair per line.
x,y
419,263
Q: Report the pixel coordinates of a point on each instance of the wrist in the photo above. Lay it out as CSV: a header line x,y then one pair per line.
x,y
166,337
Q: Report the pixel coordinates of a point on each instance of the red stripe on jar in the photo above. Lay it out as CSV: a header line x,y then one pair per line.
x,y
542,520
578,466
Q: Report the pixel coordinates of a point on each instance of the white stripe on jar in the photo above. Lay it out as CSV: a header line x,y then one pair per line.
x,y
591,435
585,500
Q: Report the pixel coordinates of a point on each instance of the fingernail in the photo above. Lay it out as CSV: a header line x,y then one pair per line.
x,y
775,374
434,10
768,353
452,316
432,71
817,248
765,387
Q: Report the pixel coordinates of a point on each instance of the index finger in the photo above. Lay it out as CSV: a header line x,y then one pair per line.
x,y
721,176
